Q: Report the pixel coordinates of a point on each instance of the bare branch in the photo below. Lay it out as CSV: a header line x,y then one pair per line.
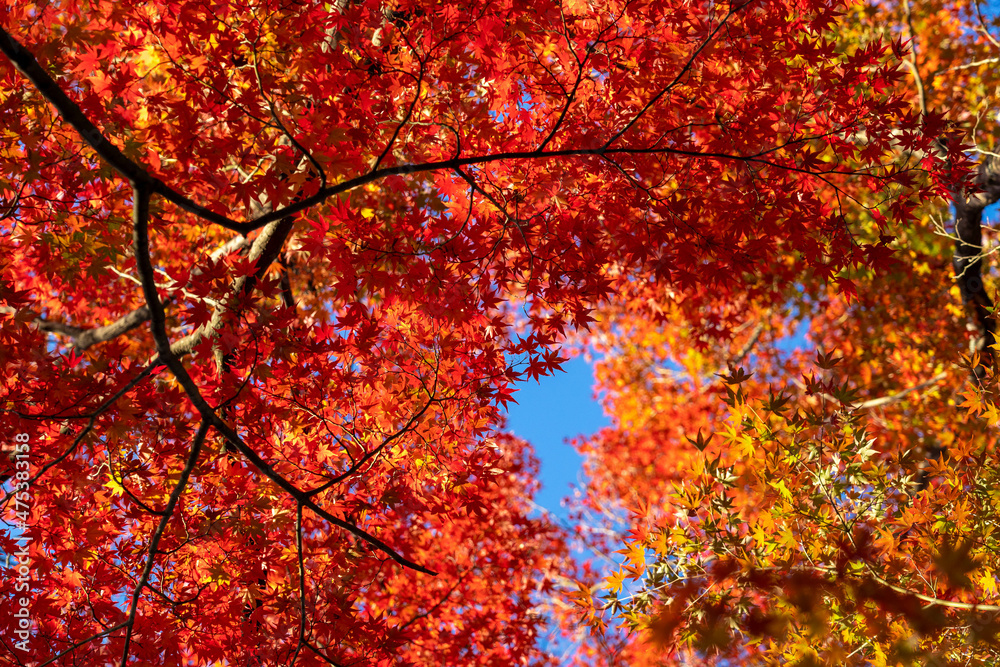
x,y
892,398
882,400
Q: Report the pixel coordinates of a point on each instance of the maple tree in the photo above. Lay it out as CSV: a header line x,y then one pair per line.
x,y
271,271
807,474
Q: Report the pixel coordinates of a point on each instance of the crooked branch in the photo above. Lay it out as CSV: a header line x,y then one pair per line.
x,y
154,542
144,266
25,63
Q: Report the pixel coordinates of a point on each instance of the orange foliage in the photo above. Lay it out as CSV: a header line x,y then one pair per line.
x,y
271,270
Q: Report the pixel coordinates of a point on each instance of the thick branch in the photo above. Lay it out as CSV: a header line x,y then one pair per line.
x,y
71,113
84,338
968,257
265,250
287,296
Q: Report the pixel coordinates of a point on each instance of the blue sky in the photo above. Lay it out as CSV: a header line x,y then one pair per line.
x,y
562,406
549,412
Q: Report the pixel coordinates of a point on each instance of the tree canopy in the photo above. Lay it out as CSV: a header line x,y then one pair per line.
x,y
272,270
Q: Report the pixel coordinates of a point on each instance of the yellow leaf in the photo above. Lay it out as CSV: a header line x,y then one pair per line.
x,y
112,484
659,545
879,660
615,581
782,489
988,583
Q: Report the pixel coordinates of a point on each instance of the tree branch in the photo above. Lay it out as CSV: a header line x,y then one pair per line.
x,y
72,114
144,266
911,62
92,420
968,257
83,642
85,338
684,70
199,440
264,251
881,400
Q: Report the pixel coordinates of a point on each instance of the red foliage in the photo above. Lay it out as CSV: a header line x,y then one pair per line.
x,y
271,269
